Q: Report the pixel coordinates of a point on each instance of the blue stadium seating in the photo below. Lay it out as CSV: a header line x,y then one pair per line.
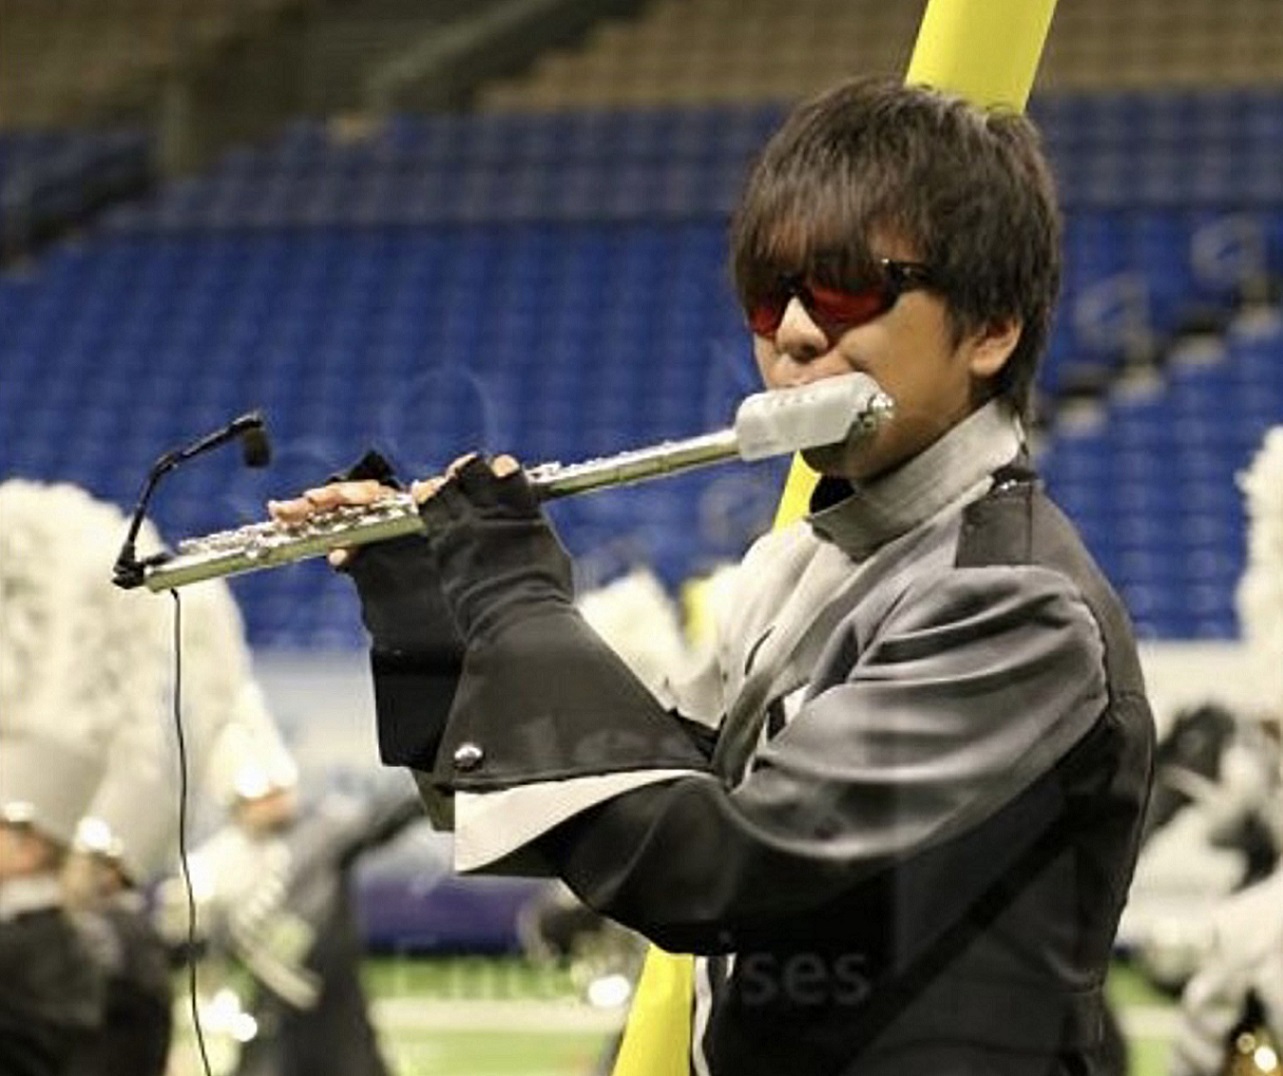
x,y
1154,486
556,285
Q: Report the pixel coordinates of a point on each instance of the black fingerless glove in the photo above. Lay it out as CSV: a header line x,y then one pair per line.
x,y
402,606
416,653
498,558
541,696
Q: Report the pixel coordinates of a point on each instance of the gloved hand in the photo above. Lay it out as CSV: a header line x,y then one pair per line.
x,y
541,696
416,652
496,554
401,603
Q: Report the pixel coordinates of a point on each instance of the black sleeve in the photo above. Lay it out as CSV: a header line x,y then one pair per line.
x,y
939,751
545,699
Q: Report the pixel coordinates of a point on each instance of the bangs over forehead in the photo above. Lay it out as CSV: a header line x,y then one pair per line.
x,y
819,200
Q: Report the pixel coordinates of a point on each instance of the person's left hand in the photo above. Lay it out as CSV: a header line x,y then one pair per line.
x,y
416,652
396,579
496,553
347,493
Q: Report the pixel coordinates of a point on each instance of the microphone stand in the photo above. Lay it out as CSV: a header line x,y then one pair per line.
x,y
129,571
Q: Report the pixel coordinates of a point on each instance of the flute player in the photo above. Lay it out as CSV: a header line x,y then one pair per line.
x,y
896,815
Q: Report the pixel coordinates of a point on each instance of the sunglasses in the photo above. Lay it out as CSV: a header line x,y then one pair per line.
x,y
836,310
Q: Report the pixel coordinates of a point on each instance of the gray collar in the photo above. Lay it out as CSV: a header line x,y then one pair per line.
x,y
876,512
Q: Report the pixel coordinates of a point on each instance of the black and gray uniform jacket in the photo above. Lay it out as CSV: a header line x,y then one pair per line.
x,y
899,829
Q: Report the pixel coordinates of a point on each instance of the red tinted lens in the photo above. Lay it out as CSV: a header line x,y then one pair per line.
x,y
765,315
836,308
831,308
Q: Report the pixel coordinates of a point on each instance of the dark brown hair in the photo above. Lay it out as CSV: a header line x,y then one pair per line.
x,y
968,190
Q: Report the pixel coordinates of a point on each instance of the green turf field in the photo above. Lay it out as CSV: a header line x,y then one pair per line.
x,y
1148,1018
473,1016
502,1017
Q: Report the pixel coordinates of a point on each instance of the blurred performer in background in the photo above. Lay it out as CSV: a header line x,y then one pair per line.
x,y
1231,1018
1233,1003
51,989
274,897
89,778
899,813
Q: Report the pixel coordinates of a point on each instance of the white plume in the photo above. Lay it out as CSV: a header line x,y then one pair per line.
x,y
86,672
640,622
75,651
1260,590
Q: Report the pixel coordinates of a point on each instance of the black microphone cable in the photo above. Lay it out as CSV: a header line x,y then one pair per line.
x,y
129,572
183,862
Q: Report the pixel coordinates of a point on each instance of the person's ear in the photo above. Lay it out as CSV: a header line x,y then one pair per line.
x,y
992,346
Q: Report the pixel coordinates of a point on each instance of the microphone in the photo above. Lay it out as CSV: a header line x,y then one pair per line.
x,y
256,450
128,571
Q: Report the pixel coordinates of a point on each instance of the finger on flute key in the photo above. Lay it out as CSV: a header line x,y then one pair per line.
x,y
426,488
326,499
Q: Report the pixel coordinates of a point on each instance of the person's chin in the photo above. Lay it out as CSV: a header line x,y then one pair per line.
x,y
841,460
857,459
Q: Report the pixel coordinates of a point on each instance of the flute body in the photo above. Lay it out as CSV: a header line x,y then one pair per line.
x,y
271,544
766,424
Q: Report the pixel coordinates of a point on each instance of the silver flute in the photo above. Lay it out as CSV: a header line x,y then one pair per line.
x,y
766,424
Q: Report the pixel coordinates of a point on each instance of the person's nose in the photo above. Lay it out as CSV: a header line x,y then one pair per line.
x,y
799,343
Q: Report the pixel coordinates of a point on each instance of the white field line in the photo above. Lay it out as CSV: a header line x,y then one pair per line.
x,y
436,1014
408,1065
409,1058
